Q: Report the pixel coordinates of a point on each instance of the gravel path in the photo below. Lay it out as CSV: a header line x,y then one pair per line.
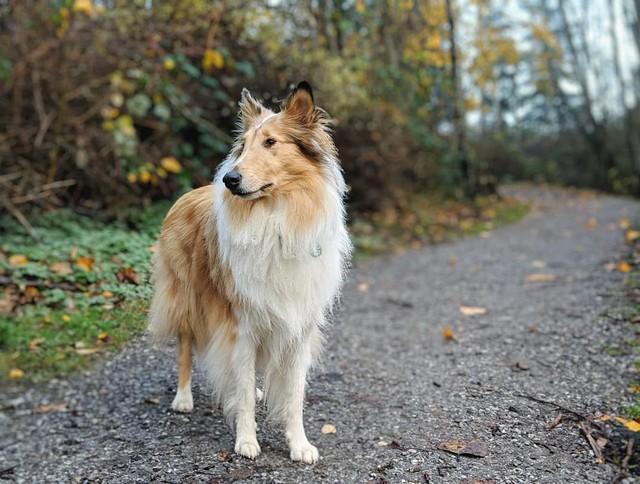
x,y
392,386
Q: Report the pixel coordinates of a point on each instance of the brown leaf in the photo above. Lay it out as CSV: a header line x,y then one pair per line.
x,y
473,448
61,268
224,456
328,429
85,263
51,407
541,278
623,267
128,274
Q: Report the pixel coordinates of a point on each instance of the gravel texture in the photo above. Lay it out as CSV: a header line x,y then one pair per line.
x,y
392,386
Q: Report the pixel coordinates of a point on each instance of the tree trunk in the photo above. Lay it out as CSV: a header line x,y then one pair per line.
x,y
460,148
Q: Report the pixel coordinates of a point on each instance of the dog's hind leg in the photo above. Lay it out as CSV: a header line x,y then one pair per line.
x,y
183,402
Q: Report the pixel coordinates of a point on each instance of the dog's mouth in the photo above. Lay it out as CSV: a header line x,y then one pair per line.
x,y
246,194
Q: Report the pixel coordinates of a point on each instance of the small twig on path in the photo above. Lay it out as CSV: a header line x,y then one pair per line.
x,y
576,415
555,422
624,466
594,446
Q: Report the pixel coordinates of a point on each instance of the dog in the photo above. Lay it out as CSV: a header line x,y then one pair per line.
x,y
247,271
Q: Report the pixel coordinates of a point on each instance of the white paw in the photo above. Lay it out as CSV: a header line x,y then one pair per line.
x,y
259,395
183,402
304,452
248,449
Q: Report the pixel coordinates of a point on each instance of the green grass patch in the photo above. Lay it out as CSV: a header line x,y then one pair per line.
x,y
81,292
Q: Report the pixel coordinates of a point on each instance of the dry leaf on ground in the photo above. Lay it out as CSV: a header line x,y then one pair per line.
x,y
328,429
51,407
623,267
473,310
473,448
447,334
624,223
61,268
85,263
541,278
17,260
630,424
16,373
87,351
592,223
631,236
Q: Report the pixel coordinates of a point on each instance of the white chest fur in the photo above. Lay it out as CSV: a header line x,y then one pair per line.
x,y
285,277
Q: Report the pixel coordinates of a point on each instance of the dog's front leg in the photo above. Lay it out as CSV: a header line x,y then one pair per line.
x,y
244,396
292,387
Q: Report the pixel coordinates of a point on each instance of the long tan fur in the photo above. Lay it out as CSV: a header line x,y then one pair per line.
x,y
245,275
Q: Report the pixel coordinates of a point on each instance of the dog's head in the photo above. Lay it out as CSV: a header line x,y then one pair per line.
x,y
275,151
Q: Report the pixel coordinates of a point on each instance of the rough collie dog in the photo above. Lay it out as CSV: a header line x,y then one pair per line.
x,y
247,270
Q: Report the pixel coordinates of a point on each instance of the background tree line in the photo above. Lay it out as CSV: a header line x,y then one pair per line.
x,y
112,102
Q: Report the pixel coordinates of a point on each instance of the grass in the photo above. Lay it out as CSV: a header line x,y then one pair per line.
x,y
84,290
628,312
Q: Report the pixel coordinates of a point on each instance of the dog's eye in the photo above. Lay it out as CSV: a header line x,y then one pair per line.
x,y
269,142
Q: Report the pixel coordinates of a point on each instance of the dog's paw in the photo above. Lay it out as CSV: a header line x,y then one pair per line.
x,y
304,452
183,403
259,395
248,449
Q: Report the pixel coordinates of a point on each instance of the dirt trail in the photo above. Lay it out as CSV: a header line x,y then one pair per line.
x,y
389,377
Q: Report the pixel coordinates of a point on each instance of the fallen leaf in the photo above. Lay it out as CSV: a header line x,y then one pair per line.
x,y
128,274
31,292
541,278
363,287
453,260
85,263
473,310
538,264
16,373
17,260
170,164
152,400
474,448
634,389
630,424
61,268
624,223
447,334
591,224
87,351
328,429
601,442
103,337
623,267
604,418
66,318
106,294
34,344
224,456
51,407
631,236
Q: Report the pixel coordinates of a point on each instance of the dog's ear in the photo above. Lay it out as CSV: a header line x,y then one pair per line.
x,y
250,109
299,105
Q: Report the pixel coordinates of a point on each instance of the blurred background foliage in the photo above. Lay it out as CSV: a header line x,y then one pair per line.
x,y
105,103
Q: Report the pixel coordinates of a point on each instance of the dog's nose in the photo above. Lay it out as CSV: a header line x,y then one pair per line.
x,y
232,180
